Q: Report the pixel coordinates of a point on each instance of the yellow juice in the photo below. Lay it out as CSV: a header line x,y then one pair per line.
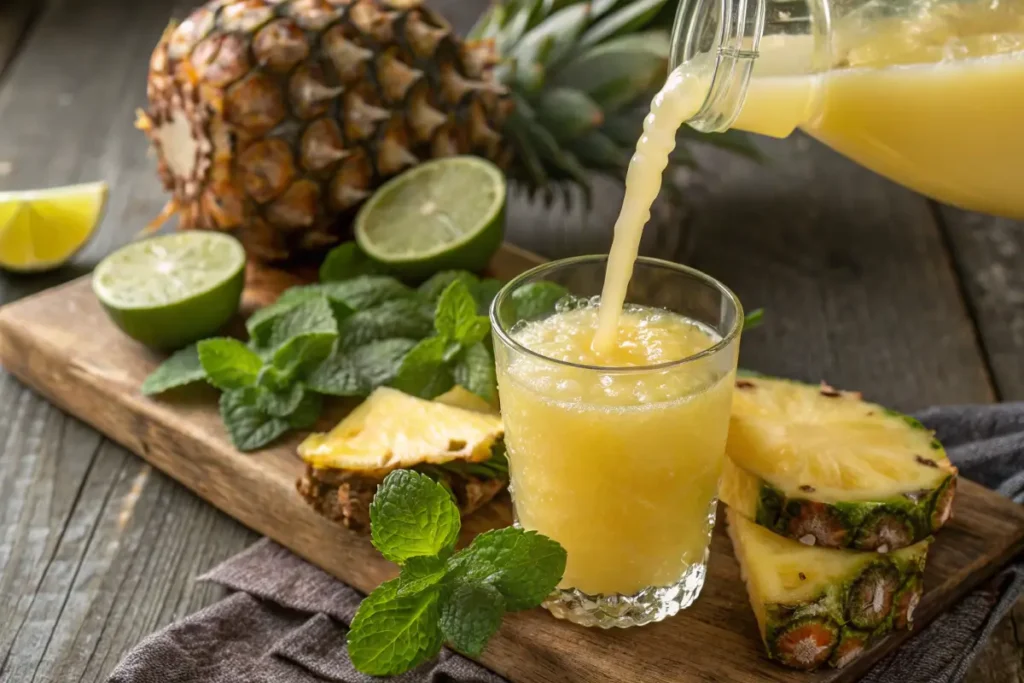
x,y
620,466
934,102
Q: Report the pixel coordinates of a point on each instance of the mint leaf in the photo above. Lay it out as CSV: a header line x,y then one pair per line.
x,y
181,369
249,427
432,289
405,318
378,362
484,294
314,316
470,615
456,309
537,299
473,330
300,355
753,319
282,402
261,323
523,565
411,515
474,370
423,371
347,261
366,291
228,363
391,634
419,573
307,412
273,379
338,375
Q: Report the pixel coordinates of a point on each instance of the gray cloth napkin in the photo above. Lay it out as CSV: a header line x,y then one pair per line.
x,y
285,622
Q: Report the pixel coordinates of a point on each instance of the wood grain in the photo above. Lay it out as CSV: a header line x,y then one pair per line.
x,y
91,370
989,254
15,20
97,549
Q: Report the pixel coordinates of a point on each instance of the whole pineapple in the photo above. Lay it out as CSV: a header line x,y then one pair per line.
x,y
275,119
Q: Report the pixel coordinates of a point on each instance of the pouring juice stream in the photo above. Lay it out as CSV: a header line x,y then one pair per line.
x,y
933,100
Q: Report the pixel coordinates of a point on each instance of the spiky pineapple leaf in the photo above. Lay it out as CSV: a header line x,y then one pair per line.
x,y
489,23
529,160
552,39
625,21
568,113
549,150
601,7
618,72
597,150
516,22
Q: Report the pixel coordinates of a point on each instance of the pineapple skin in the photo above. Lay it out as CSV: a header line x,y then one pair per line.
x,y
840,621
886,524
275,119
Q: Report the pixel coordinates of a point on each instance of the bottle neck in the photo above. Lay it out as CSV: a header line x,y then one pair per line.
x,y
730,34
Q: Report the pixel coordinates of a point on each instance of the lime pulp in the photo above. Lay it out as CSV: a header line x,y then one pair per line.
x,y
440,215
169,291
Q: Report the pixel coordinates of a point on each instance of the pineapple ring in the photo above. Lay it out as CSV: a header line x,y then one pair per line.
x,y
827,468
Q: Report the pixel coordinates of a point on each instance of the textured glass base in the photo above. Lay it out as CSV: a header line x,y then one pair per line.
x,y
622,611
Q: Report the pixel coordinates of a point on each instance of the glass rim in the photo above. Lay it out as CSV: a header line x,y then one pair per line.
x,y
517,281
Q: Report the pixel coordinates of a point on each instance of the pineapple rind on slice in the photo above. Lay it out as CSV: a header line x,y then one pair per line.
x,y
392,429
827,468
816,605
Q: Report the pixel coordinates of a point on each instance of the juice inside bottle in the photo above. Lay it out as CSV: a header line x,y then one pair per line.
x,y
620,467
933,100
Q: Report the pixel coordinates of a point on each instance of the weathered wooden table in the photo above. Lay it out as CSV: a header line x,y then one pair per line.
x,y
865,283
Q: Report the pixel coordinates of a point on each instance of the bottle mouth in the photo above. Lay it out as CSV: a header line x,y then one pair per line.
x,y
726,34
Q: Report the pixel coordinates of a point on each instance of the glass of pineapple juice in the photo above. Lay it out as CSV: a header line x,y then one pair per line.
x,y
617,454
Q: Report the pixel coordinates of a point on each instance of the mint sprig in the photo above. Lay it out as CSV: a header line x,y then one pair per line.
x,y
228,363
181,369
455,354
440,596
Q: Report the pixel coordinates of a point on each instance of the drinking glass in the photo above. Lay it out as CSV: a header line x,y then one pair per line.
x,y
620,465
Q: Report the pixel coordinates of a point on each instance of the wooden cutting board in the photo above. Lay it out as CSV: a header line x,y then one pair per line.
x,y
61,343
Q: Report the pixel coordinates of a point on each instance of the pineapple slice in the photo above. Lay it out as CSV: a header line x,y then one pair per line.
x,y
818,605
392,429
826,468
463,398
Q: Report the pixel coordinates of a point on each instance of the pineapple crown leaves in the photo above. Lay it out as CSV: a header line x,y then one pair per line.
x,y
582,74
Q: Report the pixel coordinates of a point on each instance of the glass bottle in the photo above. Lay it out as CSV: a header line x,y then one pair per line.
x,y
927,92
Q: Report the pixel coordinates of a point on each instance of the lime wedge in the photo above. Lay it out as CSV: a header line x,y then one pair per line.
x,y
42,229
441,215
169,291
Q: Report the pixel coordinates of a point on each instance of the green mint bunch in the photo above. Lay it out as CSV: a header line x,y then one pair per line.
x,y
345,336
440,595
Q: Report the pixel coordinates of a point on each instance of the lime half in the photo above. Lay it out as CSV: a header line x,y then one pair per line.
x,y
172,290
42,229
441,215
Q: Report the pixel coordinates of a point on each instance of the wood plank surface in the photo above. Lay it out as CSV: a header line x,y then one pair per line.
x,y
97,549
15,19
66,497
61,343
989,254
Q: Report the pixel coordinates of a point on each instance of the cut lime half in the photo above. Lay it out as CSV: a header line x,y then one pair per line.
x,y
441,215
172,290
42,229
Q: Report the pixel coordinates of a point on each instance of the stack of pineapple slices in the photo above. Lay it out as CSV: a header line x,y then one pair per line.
x,y
832,503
